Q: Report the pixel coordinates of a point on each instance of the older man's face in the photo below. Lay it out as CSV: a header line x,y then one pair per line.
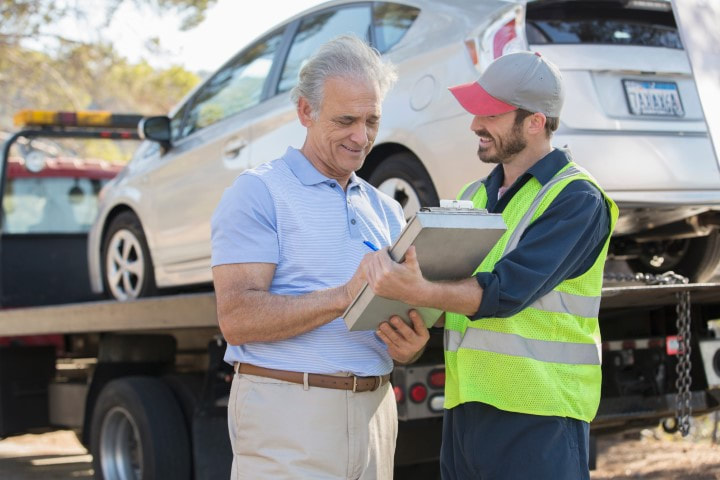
x,y
341,136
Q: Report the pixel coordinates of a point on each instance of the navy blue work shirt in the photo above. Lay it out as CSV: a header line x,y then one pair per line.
x,y
562,243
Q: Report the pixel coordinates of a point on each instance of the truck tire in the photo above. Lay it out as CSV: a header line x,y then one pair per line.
x,y
127,267
694,258
138,432
404,178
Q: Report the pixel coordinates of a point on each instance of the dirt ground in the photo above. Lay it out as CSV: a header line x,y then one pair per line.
x,y
647,457
48,456
59,456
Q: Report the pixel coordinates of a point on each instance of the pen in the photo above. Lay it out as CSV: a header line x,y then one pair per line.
x,y
371,245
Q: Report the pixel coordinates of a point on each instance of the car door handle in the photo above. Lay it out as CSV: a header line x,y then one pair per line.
x,y
234,147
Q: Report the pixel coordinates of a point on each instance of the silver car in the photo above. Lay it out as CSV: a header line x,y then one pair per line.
x,y
632,117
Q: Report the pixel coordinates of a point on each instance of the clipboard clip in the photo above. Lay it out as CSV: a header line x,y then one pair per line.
x,y
454,206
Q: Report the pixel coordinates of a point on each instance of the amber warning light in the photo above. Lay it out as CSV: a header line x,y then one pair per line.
x,y
87,118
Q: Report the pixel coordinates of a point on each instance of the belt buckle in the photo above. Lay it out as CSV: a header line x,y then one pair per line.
x,y
354,389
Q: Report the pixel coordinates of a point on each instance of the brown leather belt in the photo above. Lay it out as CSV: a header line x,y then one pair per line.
x,y
356,384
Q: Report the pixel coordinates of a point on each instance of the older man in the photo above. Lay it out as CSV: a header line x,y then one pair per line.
x,y
311,399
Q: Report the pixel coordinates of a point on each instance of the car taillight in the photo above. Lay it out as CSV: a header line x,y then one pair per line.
x,y
399,394
504,35
418,392
436,378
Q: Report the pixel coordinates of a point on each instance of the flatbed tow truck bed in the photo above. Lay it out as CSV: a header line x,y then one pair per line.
x,y
197,310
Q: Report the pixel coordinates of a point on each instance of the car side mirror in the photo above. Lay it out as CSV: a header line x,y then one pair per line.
x,y
156,129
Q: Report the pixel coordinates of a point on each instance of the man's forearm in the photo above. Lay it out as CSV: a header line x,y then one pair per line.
x,y
260,316
463,296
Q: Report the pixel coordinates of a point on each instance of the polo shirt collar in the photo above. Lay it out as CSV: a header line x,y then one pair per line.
x,y
308,174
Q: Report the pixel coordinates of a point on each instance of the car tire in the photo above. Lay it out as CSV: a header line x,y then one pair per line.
x,y
127,267
138,432
694,258
404,178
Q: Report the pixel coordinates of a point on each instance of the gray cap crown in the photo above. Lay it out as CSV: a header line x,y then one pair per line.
x,y
525,80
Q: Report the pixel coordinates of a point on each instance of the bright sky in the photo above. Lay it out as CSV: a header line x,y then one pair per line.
x,y
228,26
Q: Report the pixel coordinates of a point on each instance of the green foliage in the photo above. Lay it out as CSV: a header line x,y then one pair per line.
x,y
22,19
195,10
73,75
87,77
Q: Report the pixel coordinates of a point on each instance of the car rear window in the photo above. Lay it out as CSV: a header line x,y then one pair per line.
x,y
50,204
609,23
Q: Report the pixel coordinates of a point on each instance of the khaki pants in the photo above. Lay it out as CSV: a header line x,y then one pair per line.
x,y
279,430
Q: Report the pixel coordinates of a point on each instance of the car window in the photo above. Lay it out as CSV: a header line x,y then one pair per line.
x,y
176,123
317,29
391,22
236,87
578,23
50,204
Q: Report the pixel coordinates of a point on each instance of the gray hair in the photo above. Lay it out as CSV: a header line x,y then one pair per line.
x,y
344,56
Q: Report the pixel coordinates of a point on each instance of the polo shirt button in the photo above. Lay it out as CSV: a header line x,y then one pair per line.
x,y
352,221
332,185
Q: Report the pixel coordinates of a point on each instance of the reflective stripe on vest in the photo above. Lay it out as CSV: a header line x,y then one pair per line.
x,y
517,346
471,190
563,302
527,218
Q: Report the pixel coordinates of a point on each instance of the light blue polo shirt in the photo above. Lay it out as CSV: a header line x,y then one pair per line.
x,y
287,213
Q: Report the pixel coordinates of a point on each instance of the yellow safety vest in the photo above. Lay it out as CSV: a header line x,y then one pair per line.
x,y
545,360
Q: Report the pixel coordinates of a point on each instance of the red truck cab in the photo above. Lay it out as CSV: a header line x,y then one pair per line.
x,y
48,205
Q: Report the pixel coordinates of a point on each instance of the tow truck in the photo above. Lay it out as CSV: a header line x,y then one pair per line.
x,y
144,385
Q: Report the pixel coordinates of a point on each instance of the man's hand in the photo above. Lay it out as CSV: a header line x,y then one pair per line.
x,y
400,281
405,344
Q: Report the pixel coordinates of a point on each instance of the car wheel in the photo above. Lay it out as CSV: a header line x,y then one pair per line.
x,y
403,177
695,258
127,267
138,432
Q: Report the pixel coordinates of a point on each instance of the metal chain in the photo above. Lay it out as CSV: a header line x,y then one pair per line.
x,y
683,406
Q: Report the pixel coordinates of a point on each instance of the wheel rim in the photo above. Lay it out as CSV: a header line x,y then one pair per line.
x,y
404,193
120,446
125,265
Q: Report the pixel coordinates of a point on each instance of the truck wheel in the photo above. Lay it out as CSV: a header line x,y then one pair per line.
x,y
138,432
695,258
127,267
403,177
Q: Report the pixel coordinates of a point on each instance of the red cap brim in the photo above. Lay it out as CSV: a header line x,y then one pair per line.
x,y
477,101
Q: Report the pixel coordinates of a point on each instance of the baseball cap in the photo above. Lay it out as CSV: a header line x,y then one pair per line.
x,y
516,80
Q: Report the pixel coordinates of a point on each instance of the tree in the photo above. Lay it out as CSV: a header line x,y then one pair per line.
x,y
27,19
77,75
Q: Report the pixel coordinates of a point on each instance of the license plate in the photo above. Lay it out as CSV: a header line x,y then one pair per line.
x,y
653,98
